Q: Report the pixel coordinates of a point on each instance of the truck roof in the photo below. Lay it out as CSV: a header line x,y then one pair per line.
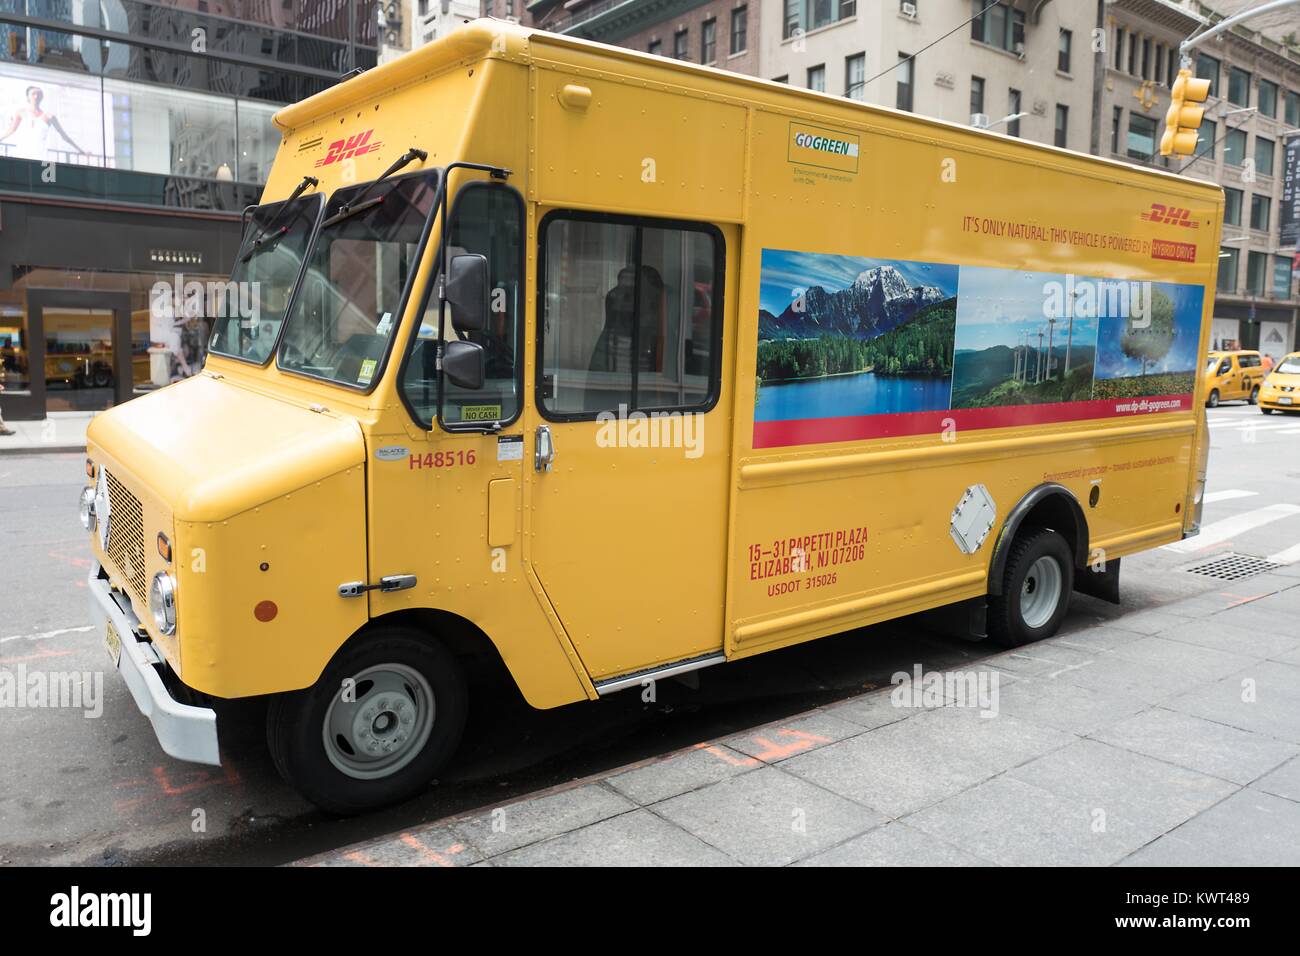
x,y
489,38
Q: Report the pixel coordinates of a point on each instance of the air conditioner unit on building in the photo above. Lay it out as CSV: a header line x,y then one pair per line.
x,y
979,120
1020,50
909,10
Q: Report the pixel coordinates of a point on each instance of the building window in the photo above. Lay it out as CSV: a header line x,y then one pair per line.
x,y
1238,86
1256,273
1146,58
679,44
1234,147
1160,63
817,78
739,30
976,95
1291,109
1267,98
631,315
1259,210
1116,122
1062,123
855,75
1232,206
1207,68
708,41
1013,107
998,26
904,96
1263,156
1229,262
1206,137
793,18
1282,277
656,47
1132,54
823,12
1063,51
1119,48
1141,137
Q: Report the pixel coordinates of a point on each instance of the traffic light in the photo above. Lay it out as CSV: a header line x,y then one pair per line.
x,y
1184,116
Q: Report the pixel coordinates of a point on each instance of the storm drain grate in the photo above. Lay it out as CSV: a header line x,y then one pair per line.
x,y
1232,567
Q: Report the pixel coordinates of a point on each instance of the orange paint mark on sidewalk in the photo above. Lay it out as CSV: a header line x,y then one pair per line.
x,y
430,855
200,780
359,858
726,757
803,741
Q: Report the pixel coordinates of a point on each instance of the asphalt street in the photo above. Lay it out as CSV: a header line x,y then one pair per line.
x,y
83,788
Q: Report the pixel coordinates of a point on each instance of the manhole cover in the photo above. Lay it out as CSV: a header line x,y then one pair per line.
x,y
1232,567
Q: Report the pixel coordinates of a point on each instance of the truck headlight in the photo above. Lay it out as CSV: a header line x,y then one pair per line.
x,y
86,508
162,602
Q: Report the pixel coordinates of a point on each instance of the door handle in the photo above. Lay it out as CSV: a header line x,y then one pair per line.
x,y
543,449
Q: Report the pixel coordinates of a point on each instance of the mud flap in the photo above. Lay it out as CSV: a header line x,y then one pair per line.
x,y
1103,584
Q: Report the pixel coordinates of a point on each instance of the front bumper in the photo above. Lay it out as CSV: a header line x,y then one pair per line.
x,y
184,731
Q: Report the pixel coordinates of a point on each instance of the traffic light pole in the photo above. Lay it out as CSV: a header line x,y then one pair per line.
x,y
1185,48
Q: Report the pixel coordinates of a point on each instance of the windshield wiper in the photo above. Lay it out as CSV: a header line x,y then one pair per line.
x,y
264,236
352,208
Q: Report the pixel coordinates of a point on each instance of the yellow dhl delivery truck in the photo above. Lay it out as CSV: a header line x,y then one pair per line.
x,y
612,367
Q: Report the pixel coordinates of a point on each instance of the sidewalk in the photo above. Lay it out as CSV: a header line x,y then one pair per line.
x,y
61,431
1167,737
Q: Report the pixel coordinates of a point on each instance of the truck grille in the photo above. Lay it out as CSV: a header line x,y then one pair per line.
x,y
126,536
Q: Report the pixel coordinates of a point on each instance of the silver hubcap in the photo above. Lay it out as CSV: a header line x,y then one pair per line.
x,y
1041,592
384,725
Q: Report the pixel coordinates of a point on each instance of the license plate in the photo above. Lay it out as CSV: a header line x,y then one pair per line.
x,y
1284,401
112,643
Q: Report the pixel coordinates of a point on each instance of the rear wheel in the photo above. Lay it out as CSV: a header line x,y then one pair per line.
x,y
1254,396
1213,400
384,718
1036,588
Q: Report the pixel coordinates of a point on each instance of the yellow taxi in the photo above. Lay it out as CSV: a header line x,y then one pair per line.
x,y
1281,389
1233,376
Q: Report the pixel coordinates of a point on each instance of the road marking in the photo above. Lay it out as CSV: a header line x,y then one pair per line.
x,y
1255,427
1229,495
1290,556
46,635
1290,431
1219,531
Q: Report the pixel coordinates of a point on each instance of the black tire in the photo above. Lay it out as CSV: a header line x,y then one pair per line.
x,y
1213,400
1006,621
295,722
1254,396
1266,411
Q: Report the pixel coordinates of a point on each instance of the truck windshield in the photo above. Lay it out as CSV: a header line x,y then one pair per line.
x,y
247,320
358,270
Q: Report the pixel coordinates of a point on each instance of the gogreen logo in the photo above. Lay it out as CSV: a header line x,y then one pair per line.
x,y
825,148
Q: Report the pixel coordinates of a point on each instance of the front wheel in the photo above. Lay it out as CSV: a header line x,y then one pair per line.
x,y
1213,400
1036,589
1266,411
382,720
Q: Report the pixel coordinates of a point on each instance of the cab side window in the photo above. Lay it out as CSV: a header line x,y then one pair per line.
x,y
485,219
631,314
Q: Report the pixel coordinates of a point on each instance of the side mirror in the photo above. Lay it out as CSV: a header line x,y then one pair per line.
x,y
463,363
466,292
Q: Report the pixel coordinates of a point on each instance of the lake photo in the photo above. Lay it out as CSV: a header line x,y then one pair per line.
x,y
844,336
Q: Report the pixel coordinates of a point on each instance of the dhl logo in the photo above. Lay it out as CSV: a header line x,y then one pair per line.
x,y
358,144
1170,216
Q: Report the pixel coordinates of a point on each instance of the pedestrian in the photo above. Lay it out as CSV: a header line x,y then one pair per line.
x,y
1267,362
4,429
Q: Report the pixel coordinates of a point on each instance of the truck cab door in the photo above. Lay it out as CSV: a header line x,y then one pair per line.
x,y
630,437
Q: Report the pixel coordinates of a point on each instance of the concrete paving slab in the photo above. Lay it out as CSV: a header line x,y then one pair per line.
x,y
768,817
681,772
1264,699
1202,745
1013,823
639,838
419,846
1282,782
1224,636
1250,828
1068,707
1130,789
870,710
1200,664
500,829
783,739
894,844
